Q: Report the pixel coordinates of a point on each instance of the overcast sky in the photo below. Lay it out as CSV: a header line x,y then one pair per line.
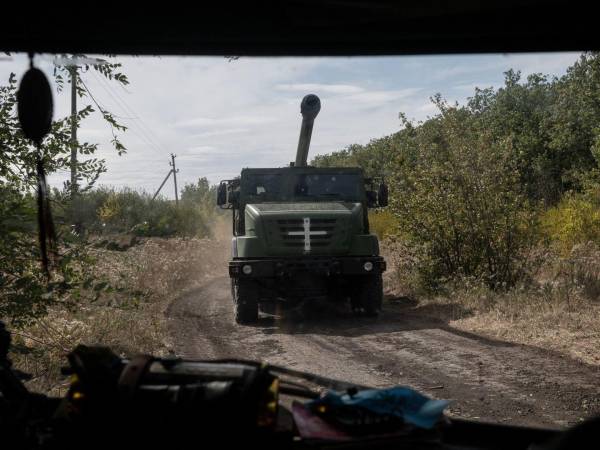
x,y
218,116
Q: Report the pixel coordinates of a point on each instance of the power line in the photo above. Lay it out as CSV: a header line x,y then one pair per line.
x,y
130,109
144,140
145,129
142,134
173,171
104,111
100,105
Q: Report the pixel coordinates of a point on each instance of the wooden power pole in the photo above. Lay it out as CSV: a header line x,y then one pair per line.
x,y
73,72
173,171
162,184
175,178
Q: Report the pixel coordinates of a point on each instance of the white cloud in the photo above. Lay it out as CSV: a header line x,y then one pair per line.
x,y
319,88
201,149
220,132
220,116
548,63
380,97
204,122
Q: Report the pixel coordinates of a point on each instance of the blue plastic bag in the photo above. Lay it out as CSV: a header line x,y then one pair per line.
x,y
402,402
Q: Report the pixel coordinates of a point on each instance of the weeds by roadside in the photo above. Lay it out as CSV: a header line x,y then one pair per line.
x,y
130,318
558,308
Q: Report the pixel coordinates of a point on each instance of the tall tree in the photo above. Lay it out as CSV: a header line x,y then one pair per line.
x,y
24,291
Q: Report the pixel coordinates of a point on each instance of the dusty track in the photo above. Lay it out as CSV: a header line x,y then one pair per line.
x,y
485,379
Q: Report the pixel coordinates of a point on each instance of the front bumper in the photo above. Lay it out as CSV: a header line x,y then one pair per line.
x,y
326,266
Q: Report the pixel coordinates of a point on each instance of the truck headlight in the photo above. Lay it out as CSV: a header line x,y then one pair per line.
x,y
368,266
247,269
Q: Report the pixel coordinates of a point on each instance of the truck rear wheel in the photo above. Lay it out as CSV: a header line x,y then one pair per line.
x,y
368,296
245,299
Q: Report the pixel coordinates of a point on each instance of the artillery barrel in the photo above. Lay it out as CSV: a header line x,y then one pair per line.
x,y
310,107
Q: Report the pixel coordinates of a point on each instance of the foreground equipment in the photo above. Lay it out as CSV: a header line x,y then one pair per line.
x,y
147,403
301,233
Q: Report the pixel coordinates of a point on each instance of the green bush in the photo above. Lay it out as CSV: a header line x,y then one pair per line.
x,y
457,195
575,220
383,223
465,182
26,292
106,210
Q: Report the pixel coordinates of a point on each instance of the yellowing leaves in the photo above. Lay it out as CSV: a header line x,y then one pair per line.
x,y
573,221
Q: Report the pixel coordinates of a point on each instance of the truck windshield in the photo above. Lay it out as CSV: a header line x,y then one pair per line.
x,y
303,187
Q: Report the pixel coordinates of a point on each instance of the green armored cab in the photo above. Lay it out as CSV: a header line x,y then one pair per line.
x,y
301,233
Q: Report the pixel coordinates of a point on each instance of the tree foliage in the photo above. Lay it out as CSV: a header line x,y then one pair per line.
x,y
24,291
130,211
457,196
467,184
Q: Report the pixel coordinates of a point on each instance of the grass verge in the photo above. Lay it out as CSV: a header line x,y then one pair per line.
x,y
559,309
129,319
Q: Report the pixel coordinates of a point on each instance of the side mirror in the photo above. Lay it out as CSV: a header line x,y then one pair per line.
x,y
371,199
222,194
382,195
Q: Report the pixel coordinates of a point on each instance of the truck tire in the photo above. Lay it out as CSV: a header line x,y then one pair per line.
x,y
368,296
245,300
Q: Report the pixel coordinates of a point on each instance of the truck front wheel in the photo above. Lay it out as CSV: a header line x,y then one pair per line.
x,y
368,295
245,300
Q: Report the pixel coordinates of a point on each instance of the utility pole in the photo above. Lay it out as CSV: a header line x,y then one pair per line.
x,y
162,184
71,67
173,171
71,64
175,178
73,72
77,225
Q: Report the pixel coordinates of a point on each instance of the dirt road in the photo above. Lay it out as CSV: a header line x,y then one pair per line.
x,y
484,379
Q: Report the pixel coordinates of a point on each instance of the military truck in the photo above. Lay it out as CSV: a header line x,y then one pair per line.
x,y
301,233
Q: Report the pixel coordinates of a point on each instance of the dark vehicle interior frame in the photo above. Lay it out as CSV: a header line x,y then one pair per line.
x,y
318,28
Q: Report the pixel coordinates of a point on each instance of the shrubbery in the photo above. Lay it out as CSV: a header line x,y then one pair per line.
x,y
458,197
106,210
383,223
25,291
476,187
574,220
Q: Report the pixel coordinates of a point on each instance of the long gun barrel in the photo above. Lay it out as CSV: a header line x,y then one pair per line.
x,y
310,107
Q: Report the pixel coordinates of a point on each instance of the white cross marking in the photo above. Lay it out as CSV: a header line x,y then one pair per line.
x,y
307,233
